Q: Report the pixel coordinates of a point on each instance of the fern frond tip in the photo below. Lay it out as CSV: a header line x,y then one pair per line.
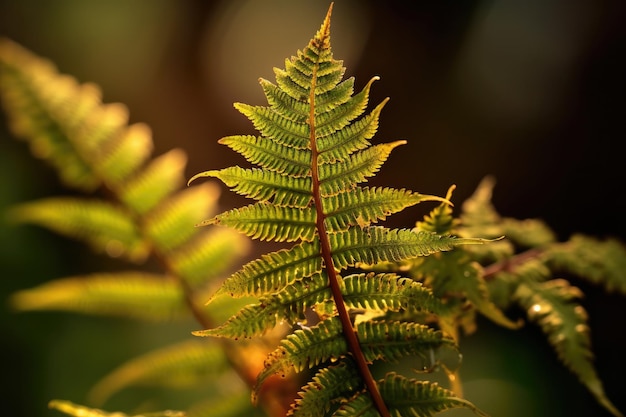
x,y
200,175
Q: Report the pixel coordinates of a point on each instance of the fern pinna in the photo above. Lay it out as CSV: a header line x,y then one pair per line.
x,y
312,153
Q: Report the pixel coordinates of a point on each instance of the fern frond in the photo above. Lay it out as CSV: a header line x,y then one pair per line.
x,y
600,262
289,305
552,305
528,233
455,273
171,224
368,205
180,365
304,349
35,87
76,410
312,153
341,176
380,340
284,131
208,255
408,397
391,340
273,271
127,294
372,245
269,222
104,226
66,124
270,155
264,185
225,405
326,389
389,292
161,177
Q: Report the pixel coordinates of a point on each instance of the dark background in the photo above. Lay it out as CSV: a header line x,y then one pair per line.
x,y
529,92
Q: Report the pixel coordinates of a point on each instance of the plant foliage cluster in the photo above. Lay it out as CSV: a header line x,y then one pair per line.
x,y
308,324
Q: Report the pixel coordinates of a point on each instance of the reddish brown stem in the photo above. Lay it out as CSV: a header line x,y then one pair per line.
x,y
326,251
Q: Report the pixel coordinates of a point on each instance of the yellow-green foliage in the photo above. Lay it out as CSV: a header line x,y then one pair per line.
x,y
137,209
346,294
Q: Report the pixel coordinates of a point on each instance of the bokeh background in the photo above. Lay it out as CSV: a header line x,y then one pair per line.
x,y
530,92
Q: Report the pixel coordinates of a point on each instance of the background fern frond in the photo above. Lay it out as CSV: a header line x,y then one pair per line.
x,y
34,85
160,178
553,306
127,294
171,224
601,262
450,274
106,227
142,216
77,410
180,365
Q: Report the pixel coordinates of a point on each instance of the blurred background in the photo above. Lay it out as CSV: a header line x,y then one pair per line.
x,y
530,92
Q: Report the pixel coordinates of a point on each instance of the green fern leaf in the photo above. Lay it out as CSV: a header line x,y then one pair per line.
x,y
35,87
342,175
380,340
171,224
368,205
304,349
391,340
269,222
552,305
408,397
600,262
160,178
328,387
131,294
312,153
104,226
207,256
440,220
224,405
381,291
389,292
273,271
480,218
372,245
76,410
456,273
288,305
264,185
270,155
66,124
181,365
